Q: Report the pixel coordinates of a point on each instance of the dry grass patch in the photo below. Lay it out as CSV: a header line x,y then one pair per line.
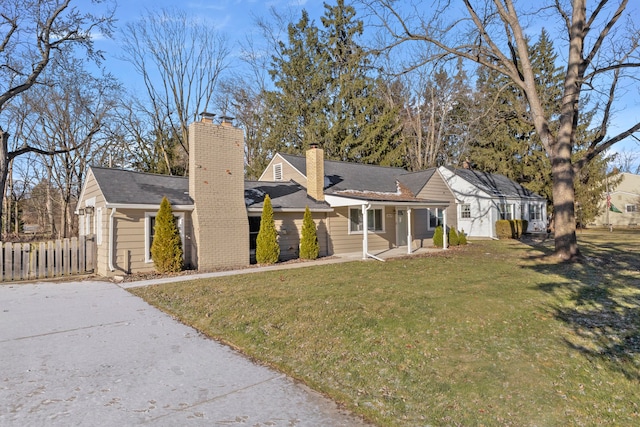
x,y
482,336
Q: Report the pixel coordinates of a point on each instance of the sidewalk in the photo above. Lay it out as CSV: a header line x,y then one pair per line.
x,y
336,259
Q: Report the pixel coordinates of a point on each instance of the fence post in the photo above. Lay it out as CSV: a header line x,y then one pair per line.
x,y
17,260
25,248
8,261
42,260
74,255
33,261
51,255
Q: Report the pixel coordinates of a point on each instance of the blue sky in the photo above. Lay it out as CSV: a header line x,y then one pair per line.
x,y
236,20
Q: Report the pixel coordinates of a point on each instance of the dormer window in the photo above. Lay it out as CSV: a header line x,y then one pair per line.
x,y
277,172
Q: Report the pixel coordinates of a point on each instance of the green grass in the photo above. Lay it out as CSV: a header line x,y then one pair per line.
x,y
495,333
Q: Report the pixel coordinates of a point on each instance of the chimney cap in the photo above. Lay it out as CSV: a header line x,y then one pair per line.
x,y
207,115
226,119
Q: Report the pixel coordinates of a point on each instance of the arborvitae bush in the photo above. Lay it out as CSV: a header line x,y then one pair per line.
x,y
453,237
438,237
166,249
525,225
267,247
309,247
462,238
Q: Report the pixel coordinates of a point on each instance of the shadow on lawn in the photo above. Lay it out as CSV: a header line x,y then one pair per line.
x,y
604,294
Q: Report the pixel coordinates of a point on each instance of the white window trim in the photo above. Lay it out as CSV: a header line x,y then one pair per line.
x,y
277,169
509,207
463,211
147,234
437,213
631,205
382,216
537,209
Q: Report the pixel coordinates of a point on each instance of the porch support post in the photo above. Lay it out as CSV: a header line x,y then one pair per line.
x,y
409,233
445,237
365,232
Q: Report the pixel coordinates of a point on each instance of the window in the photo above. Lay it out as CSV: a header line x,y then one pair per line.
x,y
435,218
505,210
254,228
277,172
375,221
535,212
631,208
465,211
149,231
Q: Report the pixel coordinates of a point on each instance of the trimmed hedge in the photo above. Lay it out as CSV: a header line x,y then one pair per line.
x,y
462,238
511,228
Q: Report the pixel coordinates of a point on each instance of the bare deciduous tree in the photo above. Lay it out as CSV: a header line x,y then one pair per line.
x,y
601,57
33,36
180,59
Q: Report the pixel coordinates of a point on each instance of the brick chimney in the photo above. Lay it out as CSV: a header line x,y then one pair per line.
x,y
315,172
216,185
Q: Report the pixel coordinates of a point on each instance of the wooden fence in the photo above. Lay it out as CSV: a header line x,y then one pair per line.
x,y
56,258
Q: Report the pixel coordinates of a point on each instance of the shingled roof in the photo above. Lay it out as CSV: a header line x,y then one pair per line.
x,y
121,186
285,196
124,187
493,184
344,176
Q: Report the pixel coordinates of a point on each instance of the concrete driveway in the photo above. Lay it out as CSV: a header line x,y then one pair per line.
x,y
90,353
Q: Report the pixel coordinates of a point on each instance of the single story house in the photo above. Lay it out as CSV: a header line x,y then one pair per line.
x,y
621,206
356,208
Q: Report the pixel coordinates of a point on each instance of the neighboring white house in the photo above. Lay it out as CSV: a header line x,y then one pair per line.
x,y
483,198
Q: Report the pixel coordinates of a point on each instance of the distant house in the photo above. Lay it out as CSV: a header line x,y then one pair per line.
x,y
623,208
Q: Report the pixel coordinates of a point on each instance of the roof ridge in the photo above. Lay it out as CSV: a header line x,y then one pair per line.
x,y
138,172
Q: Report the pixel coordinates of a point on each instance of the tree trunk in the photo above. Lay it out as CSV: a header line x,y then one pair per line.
x,y
4,164
564,219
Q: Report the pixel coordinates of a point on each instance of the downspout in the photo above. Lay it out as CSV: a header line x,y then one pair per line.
x,y
365,234
111,220
409,232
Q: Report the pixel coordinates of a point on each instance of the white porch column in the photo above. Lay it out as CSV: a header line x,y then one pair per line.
x,y
445,237
409,233
365,232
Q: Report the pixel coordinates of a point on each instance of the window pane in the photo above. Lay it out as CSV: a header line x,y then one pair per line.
x,y
355,219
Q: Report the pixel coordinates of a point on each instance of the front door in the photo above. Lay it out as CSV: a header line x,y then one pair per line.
x,y
401,227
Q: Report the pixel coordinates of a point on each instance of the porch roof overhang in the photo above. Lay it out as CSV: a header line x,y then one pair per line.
x,y
340,201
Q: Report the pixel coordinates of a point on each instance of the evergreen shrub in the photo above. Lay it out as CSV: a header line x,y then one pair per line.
x,y
462,238
454,240
166,249
267,247
438,237
309,247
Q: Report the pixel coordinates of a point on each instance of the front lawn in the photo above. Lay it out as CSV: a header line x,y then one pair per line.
x,y
494,333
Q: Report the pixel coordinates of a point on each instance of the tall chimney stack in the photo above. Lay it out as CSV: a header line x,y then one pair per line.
x,y
315,172
216,185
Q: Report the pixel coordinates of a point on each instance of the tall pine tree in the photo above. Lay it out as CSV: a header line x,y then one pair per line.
x,y
325,94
